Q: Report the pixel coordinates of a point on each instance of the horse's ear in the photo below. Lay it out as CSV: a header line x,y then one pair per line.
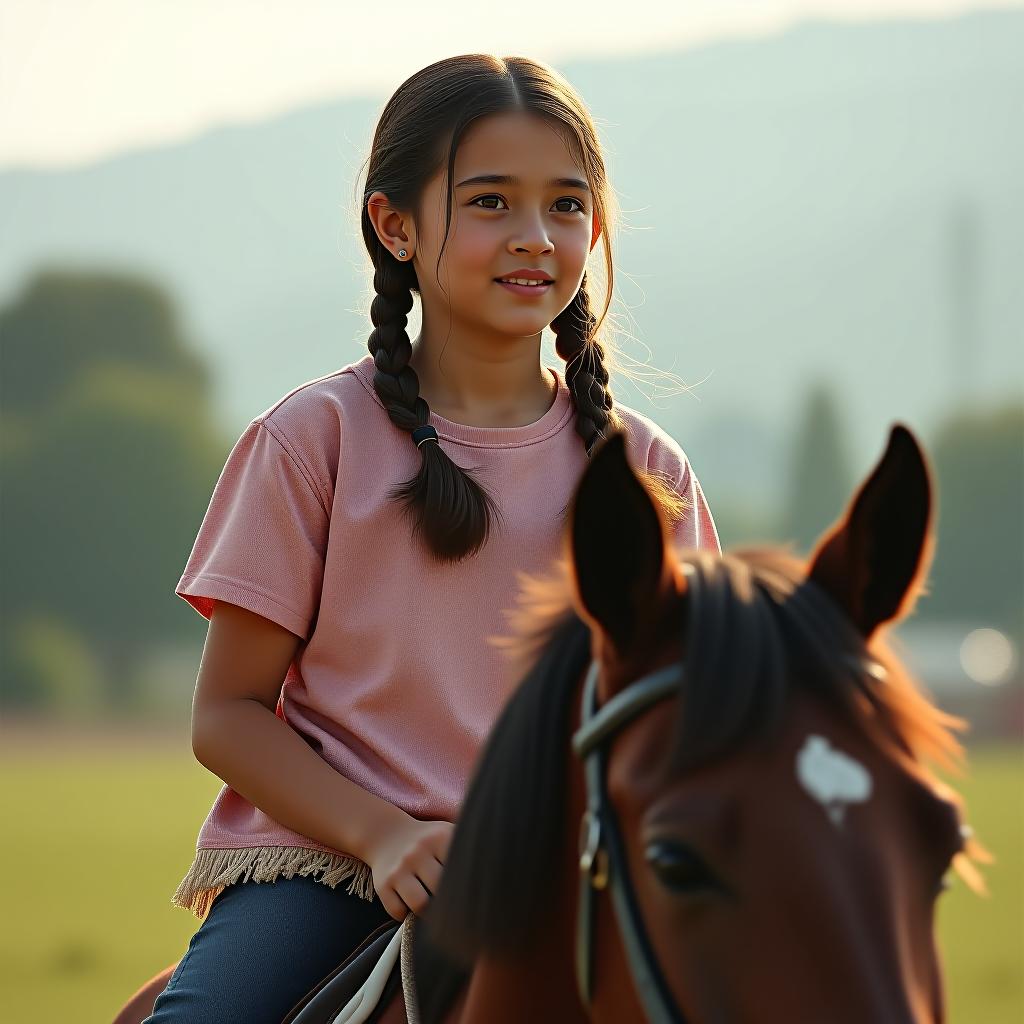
x,y
618,541
873,560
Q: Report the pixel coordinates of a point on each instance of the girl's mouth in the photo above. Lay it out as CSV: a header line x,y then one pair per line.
x,y
512,285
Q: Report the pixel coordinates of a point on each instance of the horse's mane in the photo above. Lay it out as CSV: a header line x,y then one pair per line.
x,y
756,629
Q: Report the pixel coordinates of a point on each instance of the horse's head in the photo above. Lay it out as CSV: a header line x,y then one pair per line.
x,y
785,841
782,838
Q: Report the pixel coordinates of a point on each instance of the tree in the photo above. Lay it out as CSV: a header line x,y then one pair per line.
x,y
65,322
107,455
978,572
819,477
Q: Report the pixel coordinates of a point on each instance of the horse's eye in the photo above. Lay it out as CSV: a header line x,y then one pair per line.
x,y
680,867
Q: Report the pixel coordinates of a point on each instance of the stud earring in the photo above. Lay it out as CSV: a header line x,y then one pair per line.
x,y
402,254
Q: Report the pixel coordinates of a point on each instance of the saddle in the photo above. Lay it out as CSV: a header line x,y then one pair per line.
x,y
364,984
366,973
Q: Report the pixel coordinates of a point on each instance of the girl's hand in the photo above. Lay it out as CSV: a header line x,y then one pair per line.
x,y
406,861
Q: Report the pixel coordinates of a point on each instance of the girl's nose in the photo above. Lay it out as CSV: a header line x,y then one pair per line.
x,y
531,237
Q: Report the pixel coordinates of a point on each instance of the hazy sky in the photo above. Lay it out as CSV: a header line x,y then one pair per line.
x,y
81,79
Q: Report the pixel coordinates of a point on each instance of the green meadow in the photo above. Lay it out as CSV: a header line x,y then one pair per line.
x,y
97,834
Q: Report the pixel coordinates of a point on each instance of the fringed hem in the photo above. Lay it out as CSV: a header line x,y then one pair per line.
x,y
212,870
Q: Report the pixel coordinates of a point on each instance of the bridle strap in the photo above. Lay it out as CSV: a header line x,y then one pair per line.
x,y
599,835
623,707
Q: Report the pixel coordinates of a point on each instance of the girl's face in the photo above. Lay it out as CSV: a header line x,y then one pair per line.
x,y
520,203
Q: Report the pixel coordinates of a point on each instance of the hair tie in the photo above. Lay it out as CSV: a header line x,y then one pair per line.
x,y
424,433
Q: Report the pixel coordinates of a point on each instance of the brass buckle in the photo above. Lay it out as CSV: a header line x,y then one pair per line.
x,y
593,856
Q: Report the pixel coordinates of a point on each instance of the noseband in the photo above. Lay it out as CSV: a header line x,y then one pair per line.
x,y
602,853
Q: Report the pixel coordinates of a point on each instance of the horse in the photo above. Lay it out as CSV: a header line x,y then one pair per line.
x,y
709,799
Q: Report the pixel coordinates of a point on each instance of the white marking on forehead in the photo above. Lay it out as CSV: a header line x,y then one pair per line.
x,y
833,778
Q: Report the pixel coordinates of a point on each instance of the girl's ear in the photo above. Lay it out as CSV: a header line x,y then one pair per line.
x,y
394,228
596,233
873,560
618,547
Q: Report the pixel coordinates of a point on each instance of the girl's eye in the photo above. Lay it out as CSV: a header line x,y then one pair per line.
x,y
484,203
482,199
570,199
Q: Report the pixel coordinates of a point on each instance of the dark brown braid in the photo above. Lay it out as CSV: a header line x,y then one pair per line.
x,y
452,511
586,375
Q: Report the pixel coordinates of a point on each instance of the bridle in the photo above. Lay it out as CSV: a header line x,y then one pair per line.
x,y
602,854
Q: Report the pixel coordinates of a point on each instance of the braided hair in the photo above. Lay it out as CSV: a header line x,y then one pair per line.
x,y
447,505
586,374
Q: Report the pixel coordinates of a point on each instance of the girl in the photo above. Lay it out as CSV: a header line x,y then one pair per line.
x,y
369,529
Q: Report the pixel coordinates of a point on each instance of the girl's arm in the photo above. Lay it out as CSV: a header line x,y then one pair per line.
x,y
237,736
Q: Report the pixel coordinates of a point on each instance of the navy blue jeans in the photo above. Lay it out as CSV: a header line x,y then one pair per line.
x,y
261,948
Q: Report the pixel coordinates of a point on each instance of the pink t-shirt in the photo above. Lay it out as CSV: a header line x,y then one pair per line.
x,y
395,684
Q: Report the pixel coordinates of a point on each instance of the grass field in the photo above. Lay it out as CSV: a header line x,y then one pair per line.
x,y
98,834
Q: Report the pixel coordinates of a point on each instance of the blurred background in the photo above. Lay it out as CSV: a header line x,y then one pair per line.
x,y
823,234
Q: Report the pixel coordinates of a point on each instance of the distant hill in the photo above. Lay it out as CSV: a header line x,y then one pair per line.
x,y
796,204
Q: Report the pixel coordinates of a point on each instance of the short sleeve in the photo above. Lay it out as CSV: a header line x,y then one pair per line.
x,y
263,541
697,527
